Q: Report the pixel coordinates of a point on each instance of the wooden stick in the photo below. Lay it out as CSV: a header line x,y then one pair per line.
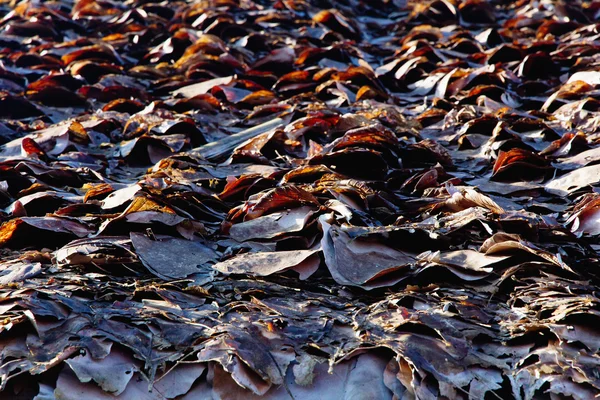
x,y
221,147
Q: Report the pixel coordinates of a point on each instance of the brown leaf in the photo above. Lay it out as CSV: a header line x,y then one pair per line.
x,y
305,262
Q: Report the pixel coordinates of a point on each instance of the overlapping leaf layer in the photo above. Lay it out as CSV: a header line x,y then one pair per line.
x,y
311,199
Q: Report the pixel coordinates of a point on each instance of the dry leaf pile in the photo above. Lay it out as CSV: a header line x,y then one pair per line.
x,y
310,199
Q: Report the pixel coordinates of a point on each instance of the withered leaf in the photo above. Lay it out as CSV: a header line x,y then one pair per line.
x,y
305,262
111,373
173,258
360,262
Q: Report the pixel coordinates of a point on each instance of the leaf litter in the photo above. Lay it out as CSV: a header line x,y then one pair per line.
x,y
299,199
